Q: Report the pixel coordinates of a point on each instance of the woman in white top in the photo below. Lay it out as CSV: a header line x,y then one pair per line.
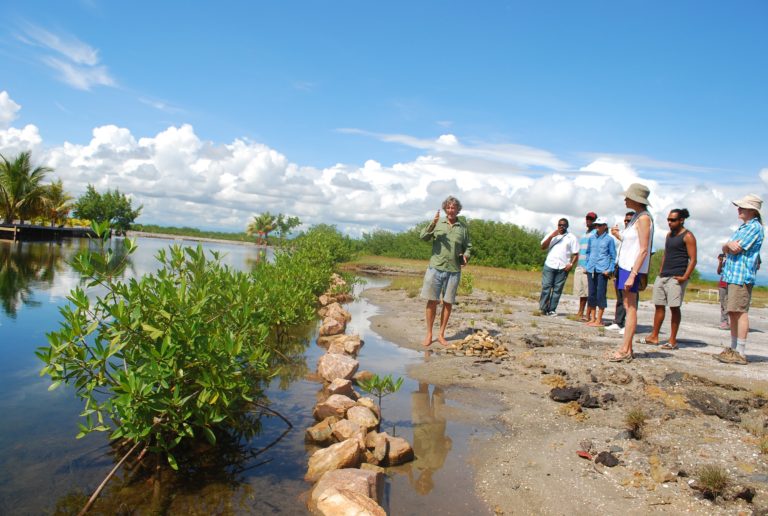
x,y
634,259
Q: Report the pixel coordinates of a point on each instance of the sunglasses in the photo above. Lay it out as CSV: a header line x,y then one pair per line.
x,y
562,225
673,220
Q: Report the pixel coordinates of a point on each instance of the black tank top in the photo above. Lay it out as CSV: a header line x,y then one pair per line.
x,y
675,256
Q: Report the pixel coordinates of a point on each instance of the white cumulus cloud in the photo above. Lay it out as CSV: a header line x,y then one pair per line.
x,y
181,179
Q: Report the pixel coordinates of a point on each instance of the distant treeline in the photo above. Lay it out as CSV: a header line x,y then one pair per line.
x,y
191,232
495,244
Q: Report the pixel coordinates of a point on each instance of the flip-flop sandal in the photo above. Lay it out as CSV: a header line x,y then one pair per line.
x,y
621,358
669,346
645,341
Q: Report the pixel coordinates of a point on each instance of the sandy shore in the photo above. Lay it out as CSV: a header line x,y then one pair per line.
x,y
531,464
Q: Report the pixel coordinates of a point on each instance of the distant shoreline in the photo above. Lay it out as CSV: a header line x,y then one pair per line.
x,y
167,236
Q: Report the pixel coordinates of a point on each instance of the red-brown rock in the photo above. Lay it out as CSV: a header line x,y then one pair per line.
x,y
346,454
332,366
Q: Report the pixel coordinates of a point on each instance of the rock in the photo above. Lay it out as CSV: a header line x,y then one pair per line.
x,y
362,376
378,443
341,344
366,466
346,429
346,454
745,493
367,483
332,366
566,394
321,433
342,386
343,502
368,402
336,405
325,300
331,326
624,434
710,404
607,459
618,376
607,398
363,417
335,311
399,451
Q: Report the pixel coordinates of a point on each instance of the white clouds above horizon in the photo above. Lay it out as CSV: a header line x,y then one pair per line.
x,y
75,62
183,180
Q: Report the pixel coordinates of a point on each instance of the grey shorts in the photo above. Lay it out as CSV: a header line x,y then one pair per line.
x,y
440,284
668,292
580,283
739,298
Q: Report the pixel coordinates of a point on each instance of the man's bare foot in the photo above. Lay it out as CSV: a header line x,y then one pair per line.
x,y
427,341
442,341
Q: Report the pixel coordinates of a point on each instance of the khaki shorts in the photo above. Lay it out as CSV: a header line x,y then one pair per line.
x,y
668,292
580,283
739,298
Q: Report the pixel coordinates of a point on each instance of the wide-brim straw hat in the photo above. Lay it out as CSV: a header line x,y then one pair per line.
x,y
638,193
750,202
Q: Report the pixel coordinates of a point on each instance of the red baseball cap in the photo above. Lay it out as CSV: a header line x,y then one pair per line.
x,y
591,215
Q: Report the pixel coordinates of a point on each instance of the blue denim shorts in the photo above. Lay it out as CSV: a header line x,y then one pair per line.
x,y
439,284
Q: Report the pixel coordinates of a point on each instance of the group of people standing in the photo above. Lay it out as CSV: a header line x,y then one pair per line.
x,y
597,258
621,255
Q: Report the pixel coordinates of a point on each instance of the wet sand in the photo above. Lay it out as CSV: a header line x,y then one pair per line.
x,y
530,464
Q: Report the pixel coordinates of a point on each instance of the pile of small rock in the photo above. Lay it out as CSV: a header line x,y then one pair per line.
x,y
348,464
479,344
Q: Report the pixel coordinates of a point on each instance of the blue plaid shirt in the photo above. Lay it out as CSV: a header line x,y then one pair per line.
x,y
741,269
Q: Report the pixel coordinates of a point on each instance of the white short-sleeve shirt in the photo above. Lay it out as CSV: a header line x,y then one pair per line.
x,y
561,249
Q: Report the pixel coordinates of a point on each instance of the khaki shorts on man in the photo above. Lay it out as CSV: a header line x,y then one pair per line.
x,y
668,292
580,282
739,297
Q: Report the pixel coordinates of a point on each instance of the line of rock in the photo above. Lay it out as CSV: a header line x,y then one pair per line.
x,y
348,466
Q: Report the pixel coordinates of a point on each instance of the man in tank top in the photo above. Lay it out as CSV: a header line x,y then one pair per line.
x,y
677,265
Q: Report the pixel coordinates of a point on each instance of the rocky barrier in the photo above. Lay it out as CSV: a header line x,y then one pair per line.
x,y
350,454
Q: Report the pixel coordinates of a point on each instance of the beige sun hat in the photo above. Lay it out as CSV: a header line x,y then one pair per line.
x,y
638,193
750,202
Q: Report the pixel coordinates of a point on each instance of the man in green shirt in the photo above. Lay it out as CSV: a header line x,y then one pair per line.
x,y
450,251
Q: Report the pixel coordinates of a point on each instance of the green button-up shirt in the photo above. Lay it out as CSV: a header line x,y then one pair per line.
x,y
449,244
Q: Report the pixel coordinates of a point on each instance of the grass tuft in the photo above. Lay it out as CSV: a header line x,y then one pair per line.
x,y
712,480
635,420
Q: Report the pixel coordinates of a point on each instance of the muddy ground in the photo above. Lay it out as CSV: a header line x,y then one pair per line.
x,y
698,411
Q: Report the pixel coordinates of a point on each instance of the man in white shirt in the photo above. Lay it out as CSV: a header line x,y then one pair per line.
x,y
562,253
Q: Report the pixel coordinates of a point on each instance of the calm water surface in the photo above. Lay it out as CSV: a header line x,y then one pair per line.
x,y
44,469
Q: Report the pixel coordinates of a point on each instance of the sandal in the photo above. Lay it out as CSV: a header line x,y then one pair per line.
x,y
622,358
644,340
669,346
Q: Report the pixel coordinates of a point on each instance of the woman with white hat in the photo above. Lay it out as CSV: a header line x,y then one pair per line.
x,y
634,259
742,261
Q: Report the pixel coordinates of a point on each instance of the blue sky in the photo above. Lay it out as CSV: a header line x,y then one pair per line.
x,y
367,114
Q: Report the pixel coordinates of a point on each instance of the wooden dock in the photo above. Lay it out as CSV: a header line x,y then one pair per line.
x,y
28,232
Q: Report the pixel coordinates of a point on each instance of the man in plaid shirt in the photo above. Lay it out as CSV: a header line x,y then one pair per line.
x,y
743,258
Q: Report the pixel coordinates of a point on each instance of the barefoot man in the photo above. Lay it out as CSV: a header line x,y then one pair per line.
x,y
450,251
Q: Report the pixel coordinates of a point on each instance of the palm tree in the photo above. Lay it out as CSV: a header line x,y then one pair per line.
x,y
57,202
261,225
20,186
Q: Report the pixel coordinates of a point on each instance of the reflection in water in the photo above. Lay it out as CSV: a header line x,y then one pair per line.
x,y
430,444
23,268
29,266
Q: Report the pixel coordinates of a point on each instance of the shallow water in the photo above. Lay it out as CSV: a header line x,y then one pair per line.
x,y
44,469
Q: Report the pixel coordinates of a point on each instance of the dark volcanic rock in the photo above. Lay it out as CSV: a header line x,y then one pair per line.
x,y
607,459
566,394
711,405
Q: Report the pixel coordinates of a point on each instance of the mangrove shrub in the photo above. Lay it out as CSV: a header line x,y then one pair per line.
x,y
184,352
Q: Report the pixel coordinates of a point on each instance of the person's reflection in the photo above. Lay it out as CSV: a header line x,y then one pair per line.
x,y
430,444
